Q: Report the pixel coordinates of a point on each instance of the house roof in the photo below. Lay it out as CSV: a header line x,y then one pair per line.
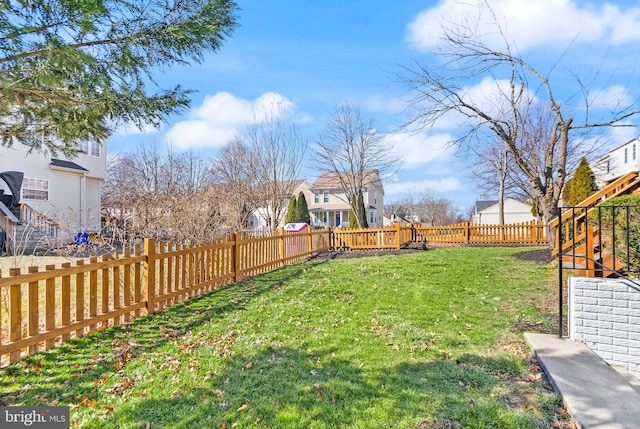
x,y
331,181
61,163
511,205
485,204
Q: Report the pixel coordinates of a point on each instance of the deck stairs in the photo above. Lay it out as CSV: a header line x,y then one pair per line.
x,y
584,250
28,232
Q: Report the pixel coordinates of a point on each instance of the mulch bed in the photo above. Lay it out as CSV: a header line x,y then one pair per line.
x,y
542,256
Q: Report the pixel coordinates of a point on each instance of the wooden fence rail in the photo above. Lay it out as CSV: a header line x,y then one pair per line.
x,y
392,237
527,233
42,309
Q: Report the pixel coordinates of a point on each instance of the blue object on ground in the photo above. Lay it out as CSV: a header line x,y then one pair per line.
x,y
81,238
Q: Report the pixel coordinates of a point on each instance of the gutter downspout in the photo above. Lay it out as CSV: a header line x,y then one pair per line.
x,y
83,201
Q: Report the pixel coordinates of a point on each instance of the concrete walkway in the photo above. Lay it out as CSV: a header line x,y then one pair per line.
x,y
595,394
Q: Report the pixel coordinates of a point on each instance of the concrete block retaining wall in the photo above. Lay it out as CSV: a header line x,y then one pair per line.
x,y
605,315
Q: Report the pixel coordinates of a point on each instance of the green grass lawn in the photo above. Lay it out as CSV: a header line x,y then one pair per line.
x,y
421,340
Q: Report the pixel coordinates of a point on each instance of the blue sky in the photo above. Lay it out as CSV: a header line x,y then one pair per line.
x,y
314,55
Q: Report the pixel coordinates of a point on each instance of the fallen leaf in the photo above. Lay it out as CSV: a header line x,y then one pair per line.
x,y
320,390
242,408
249,365
534,377
107,411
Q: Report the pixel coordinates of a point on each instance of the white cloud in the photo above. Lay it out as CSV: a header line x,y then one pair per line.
x,y
130,129
221,117
528,23
613,98
418,150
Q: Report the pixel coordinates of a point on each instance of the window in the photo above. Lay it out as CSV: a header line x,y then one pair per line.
x,y
89,147
35,189
626,154
325,197
375,198
325,217
316,197
95,149
608,166
633,152
372,217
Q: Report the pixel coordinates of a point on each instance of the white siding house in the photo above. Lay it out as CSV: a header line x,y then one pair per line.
x,y
620,161
260,217
488,212
65,190
329,206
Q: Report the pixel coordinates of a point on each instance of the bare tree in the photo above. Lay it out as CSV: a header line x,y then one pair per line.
x,y
352,149
278,150
427,207
492,167
166,196
520,89
235,175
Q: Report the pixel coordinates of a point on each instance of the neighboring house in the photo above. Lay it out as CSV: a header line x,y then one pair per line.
x,y
488,212
618,162
261,217
65,190
329,206
394,218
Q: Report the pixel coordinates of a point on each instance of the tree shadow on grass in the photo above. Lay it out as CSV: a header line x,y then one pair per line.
x,y
65,374
288,388
473,391
272,388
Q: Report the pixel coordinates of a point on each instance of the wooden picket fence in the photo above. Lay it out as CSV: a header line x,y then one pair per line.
x,y
392,237
527,233
42,309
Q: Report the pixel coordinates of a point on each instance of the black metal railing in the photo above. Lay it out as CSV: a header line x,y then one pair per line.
x,y
597,241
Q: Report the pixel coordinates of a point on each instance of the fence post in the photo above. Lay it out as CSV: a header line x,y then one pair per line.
x,y
149,266
15,314
282,246
467,231
331,237
309,240
235,263
398,230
